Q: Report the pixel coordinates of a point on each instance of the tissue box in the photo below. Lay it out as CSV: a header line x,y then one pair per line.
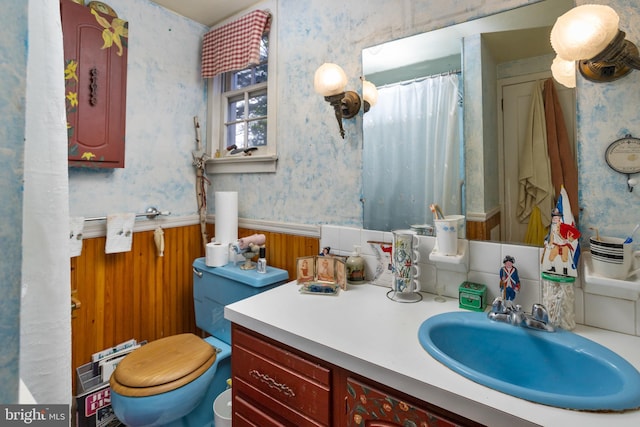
x,y
472,296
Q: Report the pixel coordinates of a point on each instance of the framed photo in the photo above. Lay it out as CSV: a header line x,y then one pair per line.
x,y
325,269
306,269
340,268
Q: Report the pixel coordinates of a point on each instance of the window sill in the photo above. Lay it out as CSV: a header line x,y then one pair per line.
x,y
242,164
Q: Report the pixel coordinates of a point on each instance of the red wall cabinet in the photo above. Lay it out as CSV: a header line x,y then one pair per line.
x,y
95,56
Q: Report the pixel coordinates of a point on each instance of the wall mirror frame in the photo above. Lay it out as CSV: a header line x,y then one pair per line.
x,y
518,43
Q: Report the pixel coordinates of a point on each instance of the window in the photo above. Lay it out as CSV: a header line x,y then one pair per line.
x,y
245,98
241,106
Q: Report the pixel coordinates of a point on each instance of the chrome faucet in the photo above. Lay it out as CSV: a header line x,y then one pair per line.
x,y
508,312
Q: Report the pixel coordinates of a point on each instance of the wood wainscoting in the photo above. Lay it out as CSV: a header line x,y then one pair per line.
x,y
140,295
481,230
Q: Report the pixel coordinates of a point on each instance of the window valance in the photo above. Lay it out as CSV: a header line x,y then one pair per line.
x,y
235,45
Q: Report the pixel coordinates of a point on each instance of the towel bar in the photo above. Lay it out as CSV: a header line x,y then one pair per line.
x,y
151,213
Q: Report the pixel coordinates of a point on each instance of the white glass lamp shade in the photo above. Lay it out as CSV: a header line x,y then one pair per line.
x,y
564,71
584,31
369,92
329,79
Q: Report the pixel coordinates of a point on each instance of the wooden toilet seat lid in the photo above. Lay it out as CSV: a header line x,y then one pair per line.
x,y
162,365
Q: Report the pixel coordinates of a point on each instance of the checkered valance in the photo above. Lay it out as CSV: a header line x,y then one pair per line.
x,y
235,45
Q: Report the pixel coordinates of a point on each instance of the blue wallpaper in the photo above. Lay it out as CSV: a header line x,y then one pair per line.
x,y
13,60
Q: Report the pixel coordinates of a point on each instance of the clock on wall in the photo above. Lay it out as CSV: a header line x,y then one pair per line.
x,y
623,156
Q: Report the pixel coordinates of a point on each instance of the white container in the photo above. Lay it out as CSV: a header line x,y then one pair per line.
x,y
613,258
447,236
558,297
222,409
462,229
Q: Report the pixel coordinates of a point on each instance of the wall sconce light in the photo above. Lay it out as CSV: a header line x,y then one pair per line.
x,y
369,94
589,34
330,81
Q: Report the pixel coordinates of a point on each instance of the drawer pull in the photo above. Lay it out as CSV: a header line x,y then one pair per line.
x,y
282,388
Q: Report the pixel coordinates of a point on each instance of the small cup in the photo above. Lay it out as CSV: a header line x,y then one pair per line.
x,y
404,252
406,285
462,229
447,236
612,258
406,271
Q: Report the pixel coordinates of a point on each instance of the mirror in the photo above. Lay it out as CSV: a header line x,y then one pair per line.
x,y
518,43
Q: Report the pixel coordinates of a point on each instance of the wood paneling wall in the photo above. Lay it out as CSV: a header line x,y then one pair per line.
x,y
482,230
283,249
140,295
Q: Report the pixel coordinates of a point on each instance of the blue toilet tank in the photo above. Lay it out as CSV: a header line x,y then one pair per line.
x,y
215,287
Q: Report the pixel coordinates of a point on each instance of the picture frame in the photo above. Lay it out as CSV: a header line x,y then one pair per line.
x,y
325,269
322,270
306,269
340,269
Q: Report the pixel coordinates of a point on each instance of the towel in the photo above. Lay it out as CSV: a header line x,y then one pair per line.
x,y
536,231
564,171
256,239
119,232
76,226
535,188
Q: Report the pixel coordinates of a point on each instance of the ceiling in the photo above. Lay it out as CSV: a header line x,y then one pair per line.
x,y
207,12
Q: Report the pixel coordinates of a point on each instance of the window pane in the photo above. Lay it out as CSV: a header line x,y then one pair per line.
x,y
258,133
261,73
236,109
242,78
264,48
235,135
258,105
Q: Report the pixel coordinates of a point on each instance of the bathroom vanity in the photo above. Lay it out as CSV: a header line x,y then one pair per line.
x,y
360,343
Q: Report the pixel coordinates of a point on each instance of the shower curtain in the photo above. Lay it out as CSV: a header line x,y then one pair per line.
x,y
412,153
45,318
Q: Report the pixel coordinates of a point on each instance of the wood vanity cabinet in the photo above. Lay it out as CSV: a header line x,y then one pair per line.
x,y
276,385
373,405
95,61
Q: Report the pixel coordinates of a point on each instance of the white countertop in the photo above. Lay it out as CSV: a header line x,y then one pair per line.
x,y
365,332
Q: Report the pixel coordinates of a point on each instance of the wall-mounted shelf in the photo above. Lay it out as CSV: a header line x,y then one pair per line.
x,y
460,259
614,288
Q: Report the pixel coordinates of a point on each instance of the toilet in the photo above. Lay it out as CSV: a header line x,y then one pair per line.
x,y
174,381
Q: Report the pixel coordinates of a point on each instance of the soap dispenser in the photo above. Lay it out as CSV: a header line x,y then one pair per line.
x,y
355,267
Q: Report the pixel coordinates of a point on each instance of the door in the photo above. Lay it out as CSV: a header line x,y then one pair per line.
x,y
516,99
95,54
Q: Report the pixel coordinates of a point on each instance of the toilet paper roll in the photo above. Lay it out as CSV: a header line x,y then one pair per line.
x,y
217,254
226,222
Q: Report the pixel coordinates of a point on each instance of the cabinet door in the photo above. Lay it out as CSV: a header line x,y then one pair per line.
x,y
95,56
370,406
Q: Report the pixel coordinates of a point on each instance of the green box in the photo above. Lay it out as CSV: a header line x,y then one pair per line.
x,y
472,296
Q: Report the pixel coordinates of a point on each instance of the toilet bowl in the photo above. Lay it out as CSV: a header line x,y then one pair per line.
x,y
173,381
180,390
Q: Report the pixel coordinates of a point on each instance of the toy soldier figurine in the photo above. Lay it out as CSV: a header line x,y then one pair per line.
x,y
509,280
560,246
